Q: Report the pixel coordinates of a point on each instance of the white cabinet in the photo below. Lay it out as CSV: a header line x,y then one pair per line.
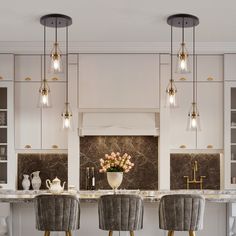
x,y
210,103
6,67
180,138
118,81
28,67
53,137
210,68
27,116
229,67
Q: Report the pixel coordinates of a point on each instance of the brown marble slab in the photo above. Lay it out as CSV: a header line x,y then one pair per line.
x,y
182,165
144,152
50,165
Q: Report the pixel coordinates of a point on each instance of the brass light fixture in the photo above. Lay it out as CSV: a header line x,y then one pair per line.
x,y
193,114
58,21
67,113
44,90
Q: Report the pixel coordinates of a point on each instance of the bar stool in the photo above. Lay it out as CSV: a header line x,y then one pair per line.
x,y
181,212
57,213
120,212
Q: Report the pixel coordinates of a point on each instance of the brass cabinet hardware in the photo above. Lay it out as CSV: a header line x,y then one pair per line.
x,y
28,146
209,146
54,146
55,79
27,79
210,78
1,78
182,79
183,146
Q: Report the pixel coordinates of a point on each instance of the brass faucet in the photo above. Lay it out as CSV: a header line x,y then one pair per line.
x,y
194,180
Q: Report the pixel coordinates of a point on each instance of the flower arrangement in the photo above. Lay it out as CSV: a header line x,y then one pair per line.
x,y
116,163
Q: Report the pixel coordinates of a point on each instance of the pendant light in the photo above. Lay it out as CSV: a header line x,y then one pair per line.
x,y
56,54
44,90
67,114
171,89
182,65
193,114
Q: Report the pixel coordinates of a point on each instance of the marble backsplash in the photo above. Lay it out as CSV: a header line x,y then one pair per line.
x,y
50,165
144,152
182,165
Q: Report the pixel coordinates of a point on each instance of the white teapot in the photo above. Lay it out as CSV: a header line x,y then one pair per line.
x,y
55,186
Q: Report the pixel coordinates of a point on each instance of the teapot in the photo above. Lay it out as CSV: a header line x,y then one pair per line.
x,y
55,186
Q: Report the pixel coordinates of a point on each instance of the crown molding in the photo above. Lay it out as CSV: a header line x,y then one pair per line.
x,y
116,47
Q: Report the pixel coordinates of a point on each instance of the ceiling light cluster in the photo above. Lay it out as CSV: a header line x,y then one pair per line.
x,y
184,21
56,21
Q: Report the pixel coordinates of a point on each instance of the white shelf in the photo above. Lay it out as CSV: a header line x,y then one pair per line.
x,y
3,126
3,161
3,109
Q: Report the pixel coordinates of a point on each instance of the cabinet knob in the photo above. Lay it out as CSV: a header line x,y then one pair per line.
x,y
182,146
55,79
210,78
27,146
1,78
209,146
28,79
182,79
54,146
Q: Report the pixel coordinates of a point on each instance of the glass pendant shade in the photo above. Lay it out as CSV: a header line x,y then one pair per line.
x,y
183,64
56,61
171,92
44,95
67,117
193,118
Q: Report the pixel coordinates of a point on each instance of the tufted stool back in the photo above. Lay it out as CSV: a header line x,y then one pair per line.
x,y
57,212
120,212
181,212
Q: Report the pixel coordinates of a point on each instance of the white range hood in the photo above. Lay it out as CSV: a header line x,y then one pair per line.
x,y
121,124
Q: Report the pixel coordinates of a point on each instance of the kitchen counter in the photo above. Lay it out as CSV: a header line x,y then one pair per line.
x,y
224,196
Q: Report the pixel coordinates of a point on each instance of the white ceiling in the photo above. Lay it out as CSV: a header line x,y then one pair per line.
x,y
117,20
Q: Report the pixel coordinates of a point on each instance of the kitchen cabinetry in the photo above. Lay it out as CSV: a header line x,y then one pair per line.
x,y
6,67
6,133
210,101
27,116
210,104
229,67
37,128
28,67
53,137
230,134
119,81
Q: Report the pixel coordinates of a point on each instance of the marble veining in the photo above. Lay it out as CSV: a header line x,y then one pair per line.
x,y
50,165
181,164
144,152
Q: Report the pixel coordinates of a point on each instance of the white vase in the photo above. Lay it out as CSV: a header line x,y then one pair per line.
x,y
3,226
35,180
26,182
114,179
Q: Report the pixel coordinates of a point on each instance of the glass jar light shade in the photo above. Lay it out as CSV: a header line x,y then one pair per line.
x,y
183,63
56,60
67,117
44,100
193,118
171,92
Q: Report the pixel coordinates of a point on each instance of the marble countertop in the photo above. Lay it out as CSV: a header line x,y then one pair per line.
x,y
16,196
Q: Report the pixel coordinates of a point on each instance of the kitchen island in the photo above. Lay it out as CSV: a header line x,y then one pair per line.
x,y
22,219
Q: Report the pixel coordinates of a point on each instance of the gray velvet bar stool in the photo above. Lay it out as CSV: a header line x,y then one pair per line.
x,y
120,212
57,213
181,212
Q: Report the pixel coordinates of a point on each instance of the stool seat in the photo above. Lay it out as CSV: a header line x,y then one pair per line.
x,y
120,212
181,212
57,213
